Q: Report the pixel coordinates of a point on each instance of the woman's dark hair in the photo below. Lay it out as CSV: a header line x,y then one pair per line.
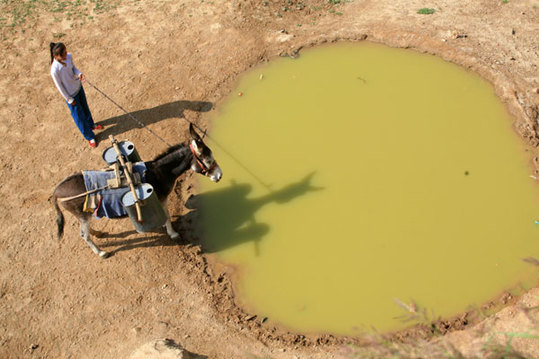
x,y
57,48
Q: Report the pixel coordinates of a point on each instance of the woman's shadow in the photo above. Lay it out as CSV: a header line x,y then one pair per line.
x,y
226,218
123,123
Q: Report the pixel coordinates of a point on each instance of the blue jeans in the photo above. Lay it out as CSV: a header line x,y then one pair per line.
x,y
82,116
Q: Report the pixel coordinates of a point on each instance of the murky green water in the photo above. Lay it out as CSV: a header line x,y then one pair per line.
x,y
368,176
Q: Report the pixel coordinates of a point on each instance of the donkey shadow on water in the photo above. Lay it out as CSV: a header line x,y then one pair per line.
x,y
232,213
123,123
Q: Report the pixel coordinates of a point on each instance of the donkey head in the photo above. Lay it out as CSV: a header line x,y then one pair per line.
x,y
203,161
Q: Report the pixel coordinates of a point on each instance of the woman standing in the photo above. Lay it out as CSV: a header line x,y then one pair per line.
x,y
67,79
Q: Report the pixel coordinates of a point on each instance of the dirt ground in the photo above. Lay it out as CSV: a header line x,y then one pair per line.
x,y
162,61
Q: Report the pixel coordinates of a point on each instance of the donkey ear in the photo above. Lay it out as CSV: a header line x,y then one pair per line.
x,y
193,133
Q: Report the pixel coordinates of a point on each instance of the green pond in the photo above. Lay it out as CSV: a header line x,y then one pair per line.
x,y
363,183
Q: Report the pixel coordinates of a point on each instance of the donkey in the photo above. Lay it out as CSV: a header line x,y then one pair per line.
x,y
161,173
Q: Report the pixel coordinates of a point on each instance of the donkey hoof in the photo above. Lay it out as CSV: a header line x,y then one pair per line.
x,y
104,254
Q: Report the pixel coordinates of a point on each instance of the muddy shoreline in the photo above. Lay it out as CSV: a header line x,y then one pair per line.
x,y
525,125
219,282
526,117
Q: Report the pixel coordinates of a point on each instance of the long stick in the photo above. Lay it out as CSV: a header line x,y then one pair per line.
x,y
128,176
65,199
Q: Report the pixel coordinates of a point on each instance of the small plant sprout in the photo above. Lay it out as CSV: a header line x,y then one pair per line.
x,y
426,11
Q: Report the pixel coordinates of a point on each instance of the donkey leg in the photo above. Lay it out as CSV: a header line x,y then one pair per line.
x,y
85,234
170,230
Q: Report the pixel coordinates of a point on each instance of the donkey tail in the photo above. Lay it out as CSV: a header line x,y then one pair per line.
x,y
59,217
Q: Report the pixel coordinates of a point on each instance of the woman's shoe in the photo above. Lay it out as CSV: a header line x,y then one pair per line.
x,y
97,127
92,143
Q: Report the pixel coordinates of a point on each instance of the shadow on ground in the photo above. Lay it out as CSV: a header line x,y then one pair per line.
x,y
120,124
154,240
